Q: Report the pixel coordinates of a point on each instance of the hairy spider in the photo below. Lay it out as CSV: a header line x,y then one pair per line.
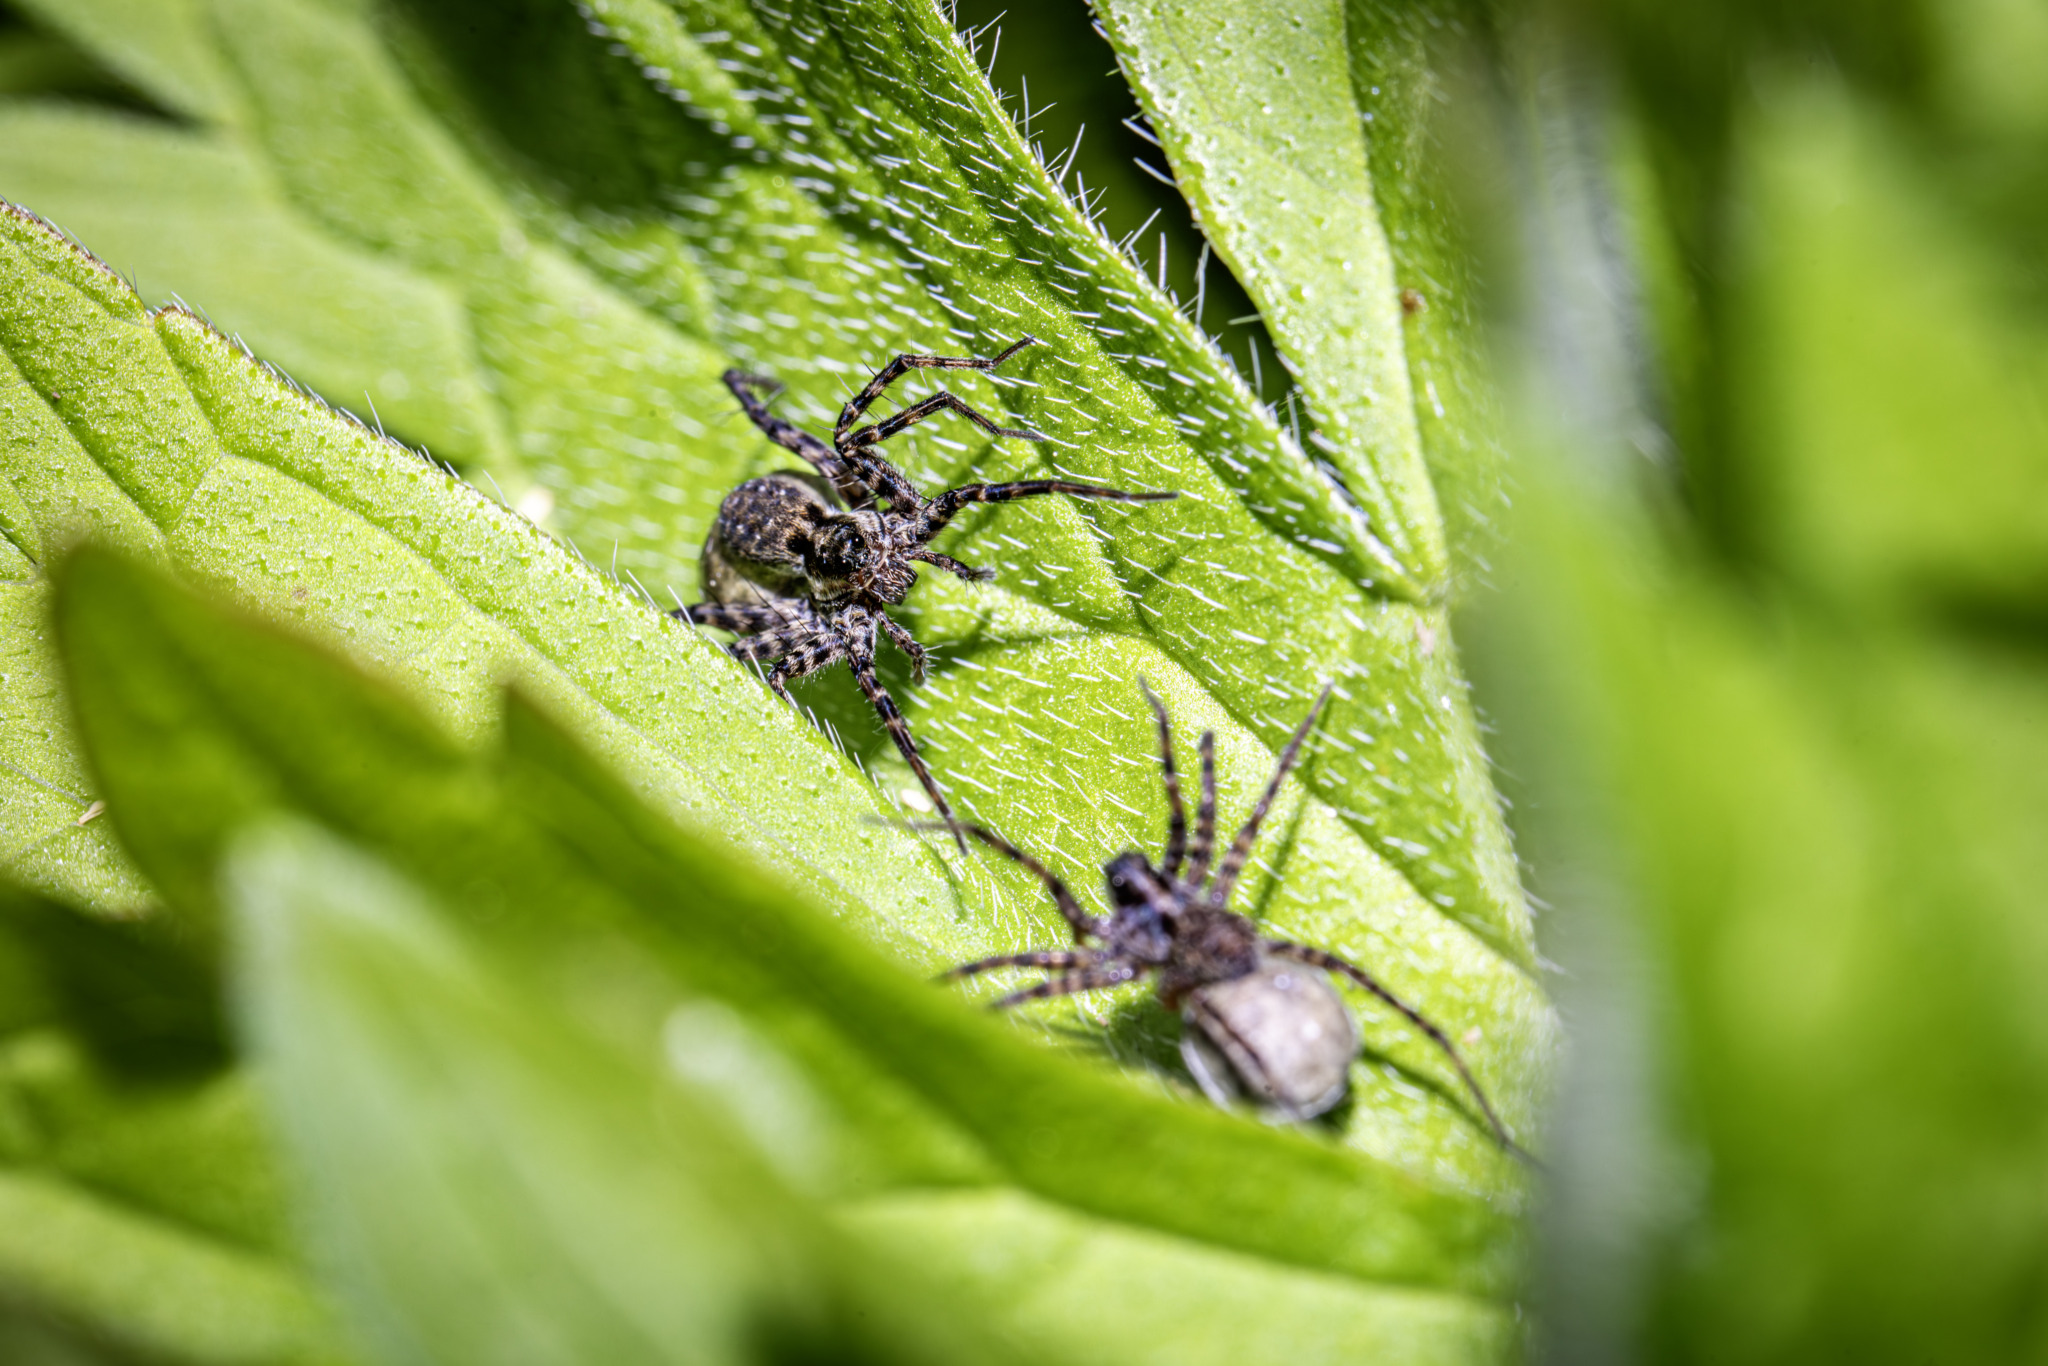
x,y
802,567
1256,1023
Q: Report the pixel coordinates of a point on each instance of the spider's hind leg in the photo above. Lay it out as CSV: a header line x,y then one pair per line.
x,y
1330,962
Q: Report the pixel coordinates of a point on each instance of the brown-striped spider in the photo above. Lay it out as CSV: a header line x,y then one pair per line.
x,y
802,567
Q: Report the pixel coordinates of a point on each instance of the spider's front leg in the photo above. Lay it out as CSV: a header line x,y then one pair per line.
x,y
1176,813
1045,960
860,657
969,572
795,643
808,650
937,512
1241,848
907,643
903,365
943,401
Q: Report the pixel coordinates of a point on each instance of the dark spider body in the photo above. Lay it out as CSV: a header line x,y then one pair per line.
x,y
803,567
1261,1019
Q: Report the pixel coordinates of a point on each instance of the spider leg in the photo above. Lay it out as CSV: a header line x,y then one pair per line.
x,y
1330,962
904,641
940,402
1205,814
903,365
1241,847
948,505
1176,814
1046,959
860,656
1083,923
797,639
953,566
807,656
740,617
1113,972
796,653
844,476
884,478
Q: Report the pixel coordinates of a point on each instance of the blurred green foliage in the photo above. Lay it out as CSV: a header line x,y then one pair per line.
x,y
1776,698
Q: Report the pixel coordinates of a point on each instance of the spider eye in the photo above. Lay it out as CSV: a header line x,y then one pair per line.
x,y
1127,881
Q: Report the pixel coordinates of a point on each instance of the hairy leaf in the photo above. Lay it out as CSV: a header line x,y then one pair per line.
x,y
603,268
804,218
156,434
1255,109
608,912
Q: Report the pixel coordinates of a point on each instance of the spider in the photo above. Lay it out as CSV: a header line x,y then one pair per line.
x,y
1257,1024
803,567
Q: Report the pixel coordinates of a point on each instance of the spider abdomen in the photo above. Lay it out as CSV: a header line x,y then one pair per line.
x,y
1278,1036
757,546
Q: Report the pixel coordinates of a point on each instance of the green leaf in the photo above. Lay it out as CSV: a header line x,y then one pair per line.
x,y
560,841
1255,110
81,1265
724,197
153,432
1862,491
141,1210
1412,90
481,1183
482,1172
603,910
144,1000
1399,859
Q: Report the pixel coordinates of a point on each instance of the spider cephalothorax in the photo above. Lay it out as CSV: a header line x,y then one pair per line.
x,y
1259,1020
802,567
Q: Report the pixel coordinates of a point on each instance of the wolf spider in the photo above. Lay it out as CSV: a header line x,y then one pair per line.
x,y
1256,1024
802,567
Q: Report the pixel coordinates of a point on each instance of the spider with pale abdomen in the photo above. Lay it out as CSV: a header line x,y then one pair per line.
x,y
1259,1017
803,567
